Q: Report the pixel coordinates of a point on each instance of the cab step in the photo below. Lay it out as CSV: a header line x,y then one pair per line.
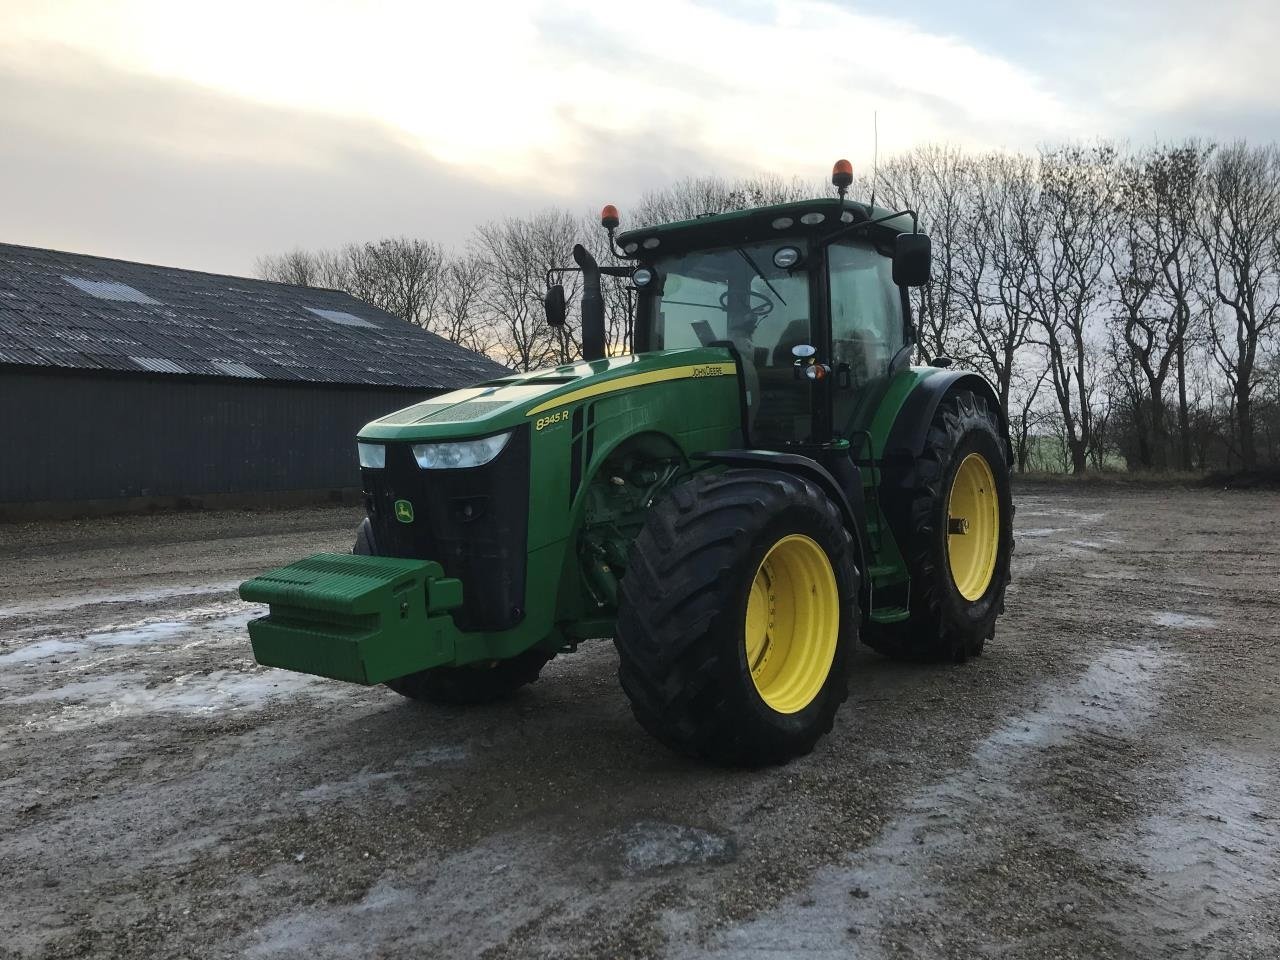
x,y
890,614
884,575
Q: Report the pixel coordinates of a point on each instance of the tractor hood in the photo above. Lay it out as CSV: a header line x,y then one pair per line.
x,y
510,401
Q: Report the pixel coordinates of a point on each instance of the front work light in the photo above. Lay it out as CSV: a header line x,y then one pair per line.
x,y
460,453
372,455
642,276
784,258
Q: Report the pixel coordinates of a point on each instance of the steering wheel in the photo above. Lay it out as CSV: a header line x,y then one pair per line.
x,y
759,305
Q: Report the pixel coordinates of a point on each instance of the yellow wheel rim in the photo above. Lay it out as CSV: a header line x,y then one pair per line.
x,y
793,619
973,526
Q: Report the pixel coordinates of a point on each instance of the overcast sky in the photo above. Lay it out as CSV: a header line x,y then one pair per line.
x,y
203,135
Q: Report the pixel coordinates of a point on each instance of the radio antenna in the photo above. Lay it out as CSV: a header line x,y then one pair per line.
x,y
875,152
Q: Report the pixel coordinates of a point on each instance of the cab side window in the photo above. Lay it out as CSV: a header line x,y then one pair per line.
x,y
866,311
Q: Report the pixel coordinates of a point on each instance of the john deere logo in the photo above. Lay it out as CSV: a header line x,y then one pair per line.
x,y
404,511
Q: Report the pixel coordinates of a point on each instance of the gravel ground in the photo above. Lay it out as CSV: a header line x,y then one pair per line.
x,y
1105,782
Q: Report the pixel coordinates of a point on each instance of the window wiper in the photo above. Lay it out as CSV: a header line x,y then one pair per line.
x,y
747,257
686,303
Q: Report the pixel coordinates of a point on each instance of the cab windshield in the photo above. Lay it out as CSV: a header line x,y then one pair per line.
x,y
739,295
735,294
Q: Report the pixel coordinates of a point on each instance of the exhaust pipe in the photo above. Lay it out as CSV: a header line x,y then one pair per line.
x,y
592,305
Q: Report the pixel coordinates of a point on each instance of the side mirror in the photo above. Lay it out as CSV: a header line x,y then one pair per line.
x,y
554,305
912,259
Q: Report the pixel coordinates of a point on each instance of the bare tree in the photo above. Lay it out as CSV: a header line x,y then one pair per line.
x,y
460,314
992,262
305,268
698,196
296,267
516,253
1140,347
399,274
1240,230
935,180
1176,174
1028,417
1065,282
1119,301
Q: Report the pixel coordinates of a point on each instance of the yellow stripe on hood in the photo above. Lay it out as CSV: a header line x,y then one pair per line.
x,y
692,371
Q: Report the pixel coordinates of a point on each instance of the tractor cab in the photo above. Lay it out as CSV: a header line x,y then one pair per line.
x,y
802,294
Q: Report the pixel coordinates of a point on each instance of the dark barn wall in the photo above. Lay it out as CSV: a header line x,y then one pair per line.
x,y
67,436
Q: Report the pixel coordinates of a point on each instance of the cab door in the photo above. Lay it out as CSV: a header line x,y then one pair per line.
x,y
867,328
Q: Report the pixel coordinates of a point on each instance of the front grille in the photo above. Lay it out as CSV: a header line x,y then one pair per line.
x,y
474,522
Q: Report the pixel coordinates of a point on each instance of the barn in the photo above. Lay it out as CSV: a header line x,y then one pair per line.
x,y
127,386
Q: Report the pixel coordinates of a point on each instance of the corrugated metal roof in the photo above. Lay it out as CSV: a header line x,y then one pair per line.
x,y
70,310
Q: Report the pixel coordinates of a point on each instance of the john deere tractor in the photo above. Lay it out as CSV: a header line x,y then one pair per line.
x,y
765,481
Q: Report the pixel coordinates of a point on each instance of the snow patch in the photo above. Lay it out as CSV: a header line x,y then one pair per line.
x,y
222,691
141,633
649,845
1182,621
890,887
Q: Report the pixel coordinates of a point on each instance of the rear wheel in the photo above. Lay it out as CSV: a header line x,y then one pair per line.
x,y
470,684
957,512
737,617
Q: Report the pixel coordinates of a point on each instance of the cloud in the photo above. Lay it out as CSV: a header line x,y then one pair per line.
x,y
774,84
101,161
791,86
1141,68
172,132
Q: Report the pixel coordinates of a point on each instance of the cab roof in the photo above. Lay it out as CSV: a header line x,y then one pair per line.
x,y
818,218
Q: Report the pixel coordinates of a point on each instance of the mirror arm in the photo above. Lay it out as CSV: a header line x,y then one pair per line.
x,y
554,270
607,271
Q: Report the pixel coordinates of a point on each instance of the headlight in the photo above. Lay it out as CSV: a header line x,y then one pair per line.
x,y
459,454
372,455
642,276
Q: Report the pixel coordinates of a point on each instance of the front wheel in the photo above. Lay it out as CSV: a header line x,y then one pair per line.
x,y
738,616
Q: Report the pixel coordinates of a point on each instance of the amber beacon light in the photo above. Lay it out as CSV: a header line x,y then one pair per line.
x,y
842,175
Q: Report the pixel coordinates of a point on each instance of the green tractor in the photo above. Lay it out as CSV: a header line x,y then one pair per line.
x,y
764,482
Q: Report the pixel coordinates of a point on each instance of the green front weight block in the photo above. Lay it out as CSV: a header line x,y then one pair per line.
x,y
357,618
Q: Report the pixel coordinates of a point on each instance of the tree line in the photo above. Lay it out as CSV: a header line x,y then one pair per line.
x,y
1124,302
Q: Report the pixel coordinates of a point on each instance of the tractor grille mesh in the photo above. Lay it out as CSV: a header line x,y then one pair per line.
x,y
415,414
472,521
470,410
444,412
